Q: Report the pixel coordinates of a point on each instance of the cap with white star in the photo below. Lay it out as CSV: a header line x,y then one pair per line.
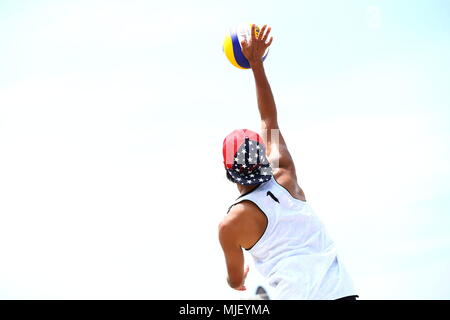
x,y
250,165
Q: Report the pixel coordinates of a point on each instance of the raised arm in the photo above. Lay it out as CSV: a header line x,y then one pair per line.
x,y
277,151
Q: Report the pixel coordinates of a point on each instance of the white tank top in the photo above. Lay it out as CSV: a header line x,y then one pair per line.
x,y
295,253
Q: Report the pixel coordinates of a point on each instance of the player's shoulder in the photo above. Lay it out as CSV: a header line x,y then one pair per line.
x,y
241,208
231,224
239,213
236,223
288,180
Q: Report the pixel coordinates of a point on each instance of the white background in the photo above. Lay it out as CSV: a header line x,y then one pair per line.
x,y
112,116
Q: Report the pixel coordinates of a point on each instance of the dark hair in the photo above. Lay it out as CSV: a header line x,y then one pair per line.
x,y
229,176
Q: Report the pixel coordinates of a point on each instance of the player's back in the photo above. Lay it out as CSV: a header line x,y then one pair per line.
x,y
294,251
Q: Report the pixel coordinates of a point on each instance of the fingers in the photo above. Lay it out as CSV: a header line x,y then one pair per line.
x,y
253,32
262,36
261,32
241,288
266,34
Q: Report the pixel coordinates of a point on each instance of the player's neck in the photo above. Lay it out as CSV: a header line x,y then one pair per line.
x,y
245,189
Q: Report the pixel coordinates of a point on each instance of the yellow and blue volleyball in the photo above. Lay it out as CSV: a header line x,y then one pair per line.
x,y
233,49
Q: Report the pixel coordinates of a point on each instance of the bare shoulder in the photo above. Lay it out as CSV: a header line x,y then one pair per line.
x,y
239,213
288,180
245,223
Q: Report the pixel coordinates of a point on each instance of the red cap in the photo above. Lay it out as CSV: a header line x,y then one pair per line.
x,y
233,141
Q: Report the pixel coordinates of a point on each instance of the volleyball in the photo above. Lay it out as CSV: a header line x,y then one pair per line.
x,y
232,45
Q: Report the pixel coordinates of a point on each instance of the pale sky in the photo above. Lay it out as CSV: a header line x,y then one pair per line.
x,y
112,117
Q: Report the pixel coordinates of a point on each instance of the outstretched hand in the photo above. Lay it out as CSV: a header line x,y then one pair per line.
x,y
254,49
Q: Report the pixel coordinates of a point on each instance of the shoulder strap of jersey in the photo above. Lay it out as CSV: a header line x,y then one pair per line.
x,y
250,195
